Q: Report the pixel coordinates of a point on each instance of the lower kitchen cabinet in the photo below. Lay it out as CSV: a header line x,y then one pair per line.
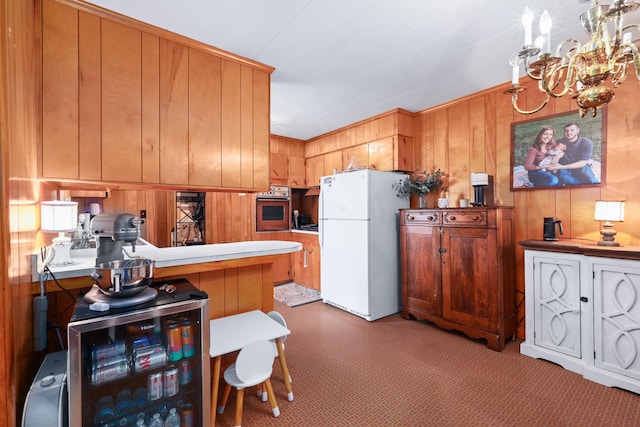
x,y
281,267
583,310
306,263
458,270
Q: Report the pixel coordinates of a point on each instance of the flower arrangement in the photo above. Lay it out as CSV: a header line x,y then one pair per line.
x,y
420,183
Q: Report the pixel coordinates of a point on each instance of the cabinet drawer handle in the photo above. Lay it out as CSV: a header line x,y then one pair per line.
x,y
476,218
431,218
411,218
452,218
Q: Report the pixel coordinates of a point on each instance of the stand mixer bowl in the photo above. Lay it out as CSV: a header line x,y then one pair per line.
x,y
124,278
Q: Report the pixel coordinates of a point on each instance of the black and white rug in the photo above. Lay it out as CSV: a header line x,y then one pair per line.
x,y
294,295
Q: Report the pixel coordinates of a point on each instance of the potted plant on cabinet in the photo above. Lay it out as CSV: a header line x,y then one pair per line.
x,y
420,184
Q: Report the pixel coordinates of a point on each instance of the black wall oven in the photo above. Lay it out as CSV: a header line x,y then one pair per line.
x,y
272,209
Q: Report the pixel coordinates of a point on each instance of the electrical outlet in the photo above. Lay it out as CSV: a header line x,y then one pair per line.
x,y
143,213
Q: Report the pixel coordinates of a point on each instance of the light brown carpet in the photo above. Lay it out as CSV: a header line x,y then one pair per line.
x,y
394,372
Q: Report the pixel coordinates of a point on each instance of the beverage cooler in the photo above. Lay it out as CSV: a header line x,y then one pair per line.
x,y
130,363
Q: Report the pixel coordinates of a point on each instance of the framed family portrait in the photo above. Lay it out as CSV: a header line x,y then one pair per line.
x,y
558,151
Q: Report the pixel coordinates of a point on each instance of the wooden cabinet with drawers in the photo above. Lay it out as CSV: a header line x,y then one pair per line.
x,y
458,270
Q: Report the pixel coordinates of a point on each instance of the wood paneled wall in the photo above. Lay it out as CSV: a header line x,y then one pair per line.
x,y
20,192
473,134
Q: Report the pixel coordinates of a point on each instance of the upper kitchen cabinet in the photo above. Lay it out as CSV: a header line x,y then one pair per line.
x,y
124,102
315,170
279,167
287,161
391,153
383,143
297,170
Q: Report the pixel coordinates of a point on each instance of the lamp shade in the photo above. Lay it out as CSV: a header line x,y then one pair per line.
x,y
58,216
609,210
479,178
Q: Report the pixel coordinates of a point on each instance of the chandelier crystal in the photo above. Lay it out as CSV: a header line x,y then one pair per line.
x,y
574,69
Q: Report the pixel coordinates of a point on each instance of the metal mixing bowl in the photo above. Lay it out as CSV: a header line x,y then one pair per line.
x,y
124,278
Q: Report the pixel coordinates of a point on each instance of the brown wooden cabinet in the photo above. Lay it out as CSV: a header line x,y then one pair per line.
x,y
296,172
129,103
315,170
306,263
394,153
279,166
287,162
458,270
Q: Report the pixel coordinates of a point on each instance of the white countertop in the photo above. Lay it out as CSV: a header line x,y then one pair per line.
x,y
305,232
182,255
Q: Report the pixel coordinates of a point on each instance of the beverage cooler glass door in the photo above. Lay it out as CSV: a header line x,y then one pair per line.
x,y
130,366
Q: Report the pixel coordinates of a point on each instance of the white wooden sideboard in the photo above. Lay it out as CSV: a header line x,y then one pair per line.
x,y
582,305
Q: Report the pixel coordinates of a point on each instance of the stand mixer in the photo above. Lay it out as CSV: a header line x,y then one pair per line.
x,y
111,230
119,282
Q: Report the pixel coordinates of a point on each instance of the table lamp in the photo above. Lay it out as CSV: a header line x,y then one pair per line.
x,y
607,211
58,216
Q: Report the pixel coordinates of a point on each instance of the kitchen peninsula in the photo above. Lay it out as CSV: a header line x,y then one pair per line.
x,y
237,276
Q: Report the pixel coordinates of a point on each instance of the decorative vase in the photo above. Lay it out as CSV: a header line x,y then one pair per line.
x,y
422,201
443,202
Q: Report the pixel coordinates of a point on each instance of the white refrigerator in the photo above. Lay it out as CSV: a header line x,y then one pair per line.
x,y
358,234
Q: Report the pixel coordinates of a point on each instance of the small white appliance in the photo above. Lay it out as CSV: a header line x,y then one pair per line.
x,y
358,233
47,401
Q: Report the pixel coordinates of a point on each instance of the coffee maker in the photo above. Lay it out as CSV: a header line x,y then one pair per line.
x,y
549,228
482,189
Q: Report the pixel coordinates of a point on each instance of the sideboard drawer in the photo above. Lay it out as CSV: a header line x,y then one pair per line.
x,y
460,217
421,217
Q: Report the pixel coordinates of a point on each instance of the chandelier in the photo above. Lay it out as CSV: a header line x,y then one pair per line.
x,y
575,70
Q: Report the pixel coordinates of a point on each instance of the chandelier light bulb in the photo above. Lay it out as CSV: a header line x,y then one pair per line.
x,y
545,23
545,31
527,20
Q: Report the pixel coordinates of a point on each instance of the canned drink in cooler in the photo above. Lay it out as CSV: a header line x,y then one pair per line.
x,y
188,343
149,358
115,360
155,388
187,415
107,351
174,341
105,373
170,381
185,372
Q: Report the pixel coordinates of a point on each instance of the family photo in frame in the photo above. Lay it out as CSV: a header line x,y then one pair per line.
x,y
558,151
